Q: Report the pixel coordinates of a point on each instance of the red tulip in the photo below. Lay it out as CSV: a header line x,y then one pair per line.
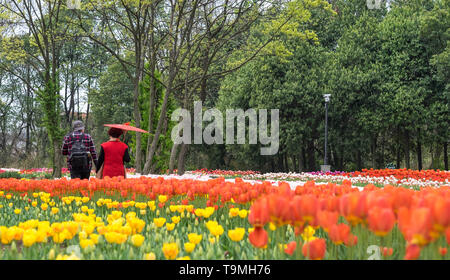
x,y
315,249
381,220
291,246
339,233
412,252
258,237
259,213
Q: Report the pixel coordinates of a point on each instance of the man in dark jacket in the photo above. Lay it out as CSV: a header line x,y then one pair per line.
x,y
70,141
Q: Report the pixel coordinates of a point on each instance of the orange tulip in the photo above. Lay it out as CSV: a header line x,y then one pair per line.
x,y
412,252
339,233
326,219
441,213
381,220
258,237
307,207
415,224
290,249
315,249
259,213
353,207
387,252
352,240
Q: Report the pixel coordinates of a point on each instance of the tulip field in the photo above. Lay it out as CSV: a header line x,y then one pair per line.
x,y
179,218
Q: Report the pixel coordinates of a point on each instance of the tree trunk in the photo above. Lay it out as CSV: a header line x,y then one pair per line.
x,y
419,150
445,156
311,156
436,156
152,95
29,112
358,159
407,150
163,112
173,155
398,160
373,151
301,162
137,120
182,159
294,162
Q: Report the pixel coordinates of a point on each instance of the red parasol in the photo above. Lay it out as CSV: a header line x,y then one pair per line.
x,y
126,127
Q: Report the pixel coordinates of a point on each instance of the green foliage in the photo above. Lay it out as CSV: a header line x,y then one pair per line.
x,y
113,103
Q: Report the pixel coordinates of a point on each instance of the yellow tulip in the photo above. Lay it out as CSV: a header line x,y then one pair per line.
x,y
189,247
29,238
84,243
170,250
272,226
17,211
236,234
159,222
94,237
162,198
137,240
170,226
44,206
150,257
195,238
243,213
176,219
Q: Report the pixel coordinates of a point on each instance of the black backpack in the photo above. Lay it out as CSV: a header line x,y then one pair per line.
x,y
79,158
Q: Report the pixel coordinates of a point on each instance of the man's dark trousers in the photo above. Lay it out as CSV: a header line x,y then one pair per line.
x,y
81,173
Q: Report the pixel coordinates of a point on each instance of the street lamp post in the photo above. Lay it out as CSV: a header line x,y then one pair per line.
x,y
325,167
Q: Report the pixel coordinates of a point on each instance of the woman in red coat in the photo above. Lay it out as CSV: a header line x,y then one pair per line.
x,y
113,155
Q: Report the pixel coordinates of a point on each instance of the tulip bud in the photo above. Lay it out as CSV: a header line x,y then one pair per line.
x,y
51,254
13,247
130,253
167,211
101,257
210,254
189,228
196,222
157,212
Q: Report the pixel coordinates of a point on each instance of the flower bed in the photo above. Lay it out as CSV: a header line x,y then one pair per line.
x,y
157,218
41,173
403,177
